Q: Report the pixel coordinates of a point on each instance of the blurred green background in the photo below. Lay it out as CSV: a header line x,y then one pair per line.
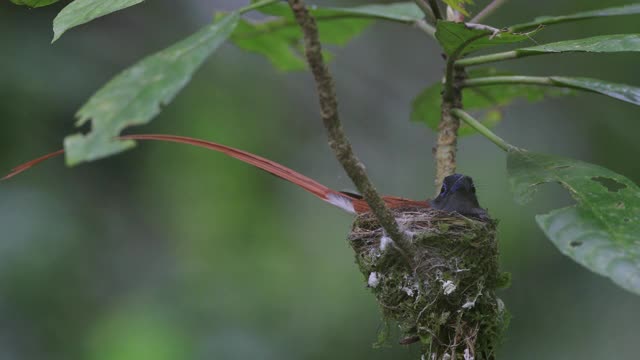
x,y
171,252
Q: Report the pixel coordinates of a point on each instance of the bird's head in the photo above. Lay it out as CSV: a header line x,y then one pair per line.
x,y
458,194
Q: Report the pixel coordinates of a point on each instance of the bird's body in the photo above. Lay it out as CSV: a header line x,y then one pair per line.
x,y
458,191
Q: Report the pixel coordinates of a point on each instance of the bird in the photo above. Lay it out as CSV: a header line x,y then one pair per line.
x,y
457,194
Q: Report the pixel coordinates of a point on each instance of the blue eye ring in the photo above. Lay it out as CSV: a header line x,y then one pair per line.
x,y
444,188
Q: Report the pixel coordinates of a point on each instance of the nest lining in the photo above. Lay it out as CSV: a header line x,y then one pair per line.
x,y
448,302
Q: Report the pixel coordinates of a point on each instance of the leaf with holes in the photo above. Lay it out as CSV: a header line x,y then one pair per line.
x,y
485,103
280,39
82,11
134,96
34,3
602,231
630,9
464,38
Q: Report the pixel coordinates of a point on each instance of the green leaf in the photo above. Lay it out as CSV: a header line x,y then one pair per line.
x,y
630,9
280,39
82,11
459,5
135,96
604,43
34,3
485,103
626,93
465,38
601,231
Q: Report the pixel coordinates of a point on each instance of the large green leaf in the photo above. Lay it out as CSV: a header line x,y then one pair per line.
x,y
280,39
548,20
485,103
626,93
135,96
465,38
82,11
34,3
602,230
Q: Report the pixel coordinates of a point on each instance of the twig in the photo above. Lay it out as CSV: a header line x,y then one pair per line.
x,y
337,138
483,130
424,26
426,9
488,10
433,4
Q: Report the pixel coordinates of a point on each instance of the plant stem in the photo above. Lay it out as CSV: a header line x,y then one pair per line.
x,y
523,80
433,4
426,9
424,26
488,10
484,59
257,5
462,115
445,152
338,140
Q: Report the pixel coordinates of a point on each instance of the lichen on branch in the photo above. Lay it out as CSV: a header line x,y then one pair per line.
x,y
338,140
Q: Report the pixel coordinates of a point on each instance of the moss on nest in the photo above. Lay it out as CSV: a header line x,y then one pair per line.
x,y
448,302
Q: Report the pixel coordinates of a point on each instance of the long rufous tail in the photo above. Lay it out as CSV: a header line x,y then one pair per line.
x,y
345,201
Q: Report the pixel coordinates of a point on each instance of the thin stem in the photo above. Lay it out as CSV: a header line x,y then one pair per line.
x,y
484,59
337,137
424,26
520,80
257,5
426,9
462,115
488,10
436,9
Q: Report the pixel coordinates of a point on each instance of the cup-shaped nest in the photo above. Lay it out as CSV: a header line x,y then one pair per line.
x,y
445,300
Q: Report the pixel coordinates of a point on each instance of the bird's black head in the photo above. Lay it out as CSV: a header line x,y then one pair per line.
x,y
458,194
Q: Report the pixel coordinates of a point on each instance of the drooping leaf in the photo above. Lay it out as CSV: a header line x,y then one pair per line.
x,y
135,95
485,103
34,3
82,11
626,93
604,43
280,39
467,38
602,230
459,5
630,9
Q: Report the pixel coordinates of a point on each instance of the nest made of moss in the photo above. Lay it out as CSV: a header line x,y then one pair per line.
x,y
446,300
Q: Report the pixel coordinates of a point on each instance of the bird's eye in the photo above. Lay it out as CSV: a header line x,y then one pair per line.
x,y
473,189
444,188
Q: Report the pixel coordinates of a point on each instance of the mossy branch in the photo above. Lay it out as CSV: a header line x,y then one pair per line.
x,y
338,140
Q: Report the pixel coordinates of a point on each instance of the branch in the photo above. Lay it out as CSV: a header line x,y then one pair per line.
x,y
483,130
424,26
493,6
518,80
484,59
337,138
433,5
